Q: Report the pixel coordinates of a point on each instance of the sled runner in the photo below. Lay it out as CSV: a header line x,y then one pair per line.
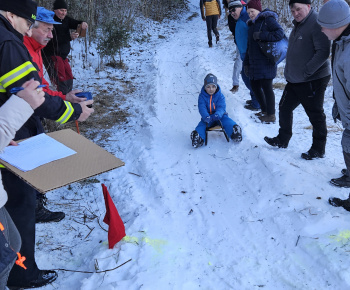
x,y
217,128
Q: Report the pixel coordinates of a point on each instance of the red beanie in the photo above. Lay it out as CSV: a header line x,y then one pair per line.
x,y
256,4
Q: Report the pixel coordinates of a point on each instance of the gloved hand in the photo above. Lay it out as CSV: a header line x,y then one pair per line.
x,y
335,113
256,35
207,120
215,117
246,70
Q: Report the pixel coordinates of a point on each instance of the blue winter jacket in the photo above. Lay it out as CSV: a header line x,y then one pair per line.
x,y
260,67
208,105
241,33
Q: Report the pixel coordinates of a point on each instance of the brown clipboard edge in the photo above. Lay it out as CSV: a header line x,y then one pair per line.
x,y
18,172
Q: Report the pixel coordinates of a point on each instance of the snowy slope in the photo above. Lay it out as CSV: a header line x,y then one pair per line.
x,y
224,216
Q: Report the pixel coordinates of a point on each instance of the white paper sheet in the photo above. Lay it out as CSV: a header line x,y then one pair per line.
x,y
34,152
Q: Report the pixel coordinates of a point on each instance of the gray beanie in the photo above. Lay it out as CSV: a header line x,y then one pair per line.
x,y
210,79
235,3
334,14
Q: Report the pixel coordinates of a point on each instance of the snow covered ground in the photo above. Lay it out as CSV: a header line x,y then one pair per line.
x,y
224,216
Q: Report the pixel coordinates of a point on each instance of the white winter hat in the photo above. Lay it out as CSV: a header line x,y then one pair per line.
x,y
334,14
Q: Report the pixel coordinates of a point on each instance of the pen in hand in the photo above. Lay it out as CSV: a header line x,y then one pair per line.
x,y
17,89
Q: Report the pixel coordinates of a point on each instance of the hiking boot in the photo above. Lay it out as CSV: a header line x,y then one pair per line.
x,y
43,215
197,141
210,44
260,114
234,89
250,107
275,142
267,119
236,133
312,154
343,181
217,38
45,277
337,202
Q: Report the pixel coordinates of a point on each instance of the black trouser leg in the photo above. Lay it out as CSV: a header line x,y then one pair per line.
x,y
313,106
209,21
345,142
266,86
287,105
21,207
214,25
259,94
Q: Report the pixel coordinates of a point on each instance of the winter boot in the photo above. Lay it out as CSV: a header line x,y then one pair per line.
x,y
312,154
343,181
260,114
344,171
197,141
267,119
44,277
337,202
217,38
43,215
275,142
236,133
210,43
250,107
234,89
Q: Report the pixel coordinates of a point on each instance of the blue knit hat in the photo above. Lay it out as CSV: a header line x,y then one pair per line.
x,y
334,14
44,15
210,79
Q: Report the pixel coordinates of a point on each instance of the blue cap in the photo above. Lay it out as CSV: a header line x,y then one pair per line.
x,y
44,15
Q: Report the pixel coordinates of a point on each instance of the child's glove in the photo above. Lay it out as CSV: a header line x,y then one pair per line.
x,y
215,117
207,119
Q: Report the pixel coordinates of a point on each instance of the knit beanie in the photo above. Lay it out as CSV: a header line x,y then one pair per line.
x,y
334,14
59,4
256,4
291,2
210,79
235,3
22,8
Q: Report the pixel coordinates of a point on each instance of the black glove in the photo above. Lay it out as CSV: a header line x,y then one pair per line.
x,y
256,35
246,70
335,113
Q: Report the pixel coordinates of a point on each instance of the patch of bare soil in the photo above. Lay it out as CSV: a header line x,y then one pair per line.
x,y
109,111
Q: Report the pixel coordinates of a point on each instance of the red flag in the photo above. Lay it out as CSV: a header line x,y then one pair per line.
x,y
116,229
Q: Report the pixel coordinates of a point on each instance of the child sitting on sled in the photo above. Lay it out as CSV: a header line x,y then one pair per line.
x,y
212,107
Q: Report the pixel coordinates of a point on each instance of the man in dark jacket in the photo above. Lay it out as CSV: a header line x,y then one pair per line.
x,y
57,50
307,72
16,19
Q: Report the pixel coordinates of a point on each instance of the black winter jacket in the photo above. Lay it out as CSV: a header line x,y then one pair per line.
x,y
60,43
16,67
260,67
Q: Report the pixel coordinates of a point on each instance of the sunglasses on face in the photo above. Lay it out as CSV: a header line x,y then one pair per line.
x,y
233,9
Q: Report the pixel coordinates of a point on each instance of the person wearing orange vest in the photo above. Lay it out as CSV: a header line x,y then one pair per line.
x,y
210,12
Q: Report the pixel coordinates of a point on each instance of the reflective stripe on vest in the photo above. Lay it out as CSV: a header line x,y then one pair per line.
x,y
2,89
16,74
67,113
